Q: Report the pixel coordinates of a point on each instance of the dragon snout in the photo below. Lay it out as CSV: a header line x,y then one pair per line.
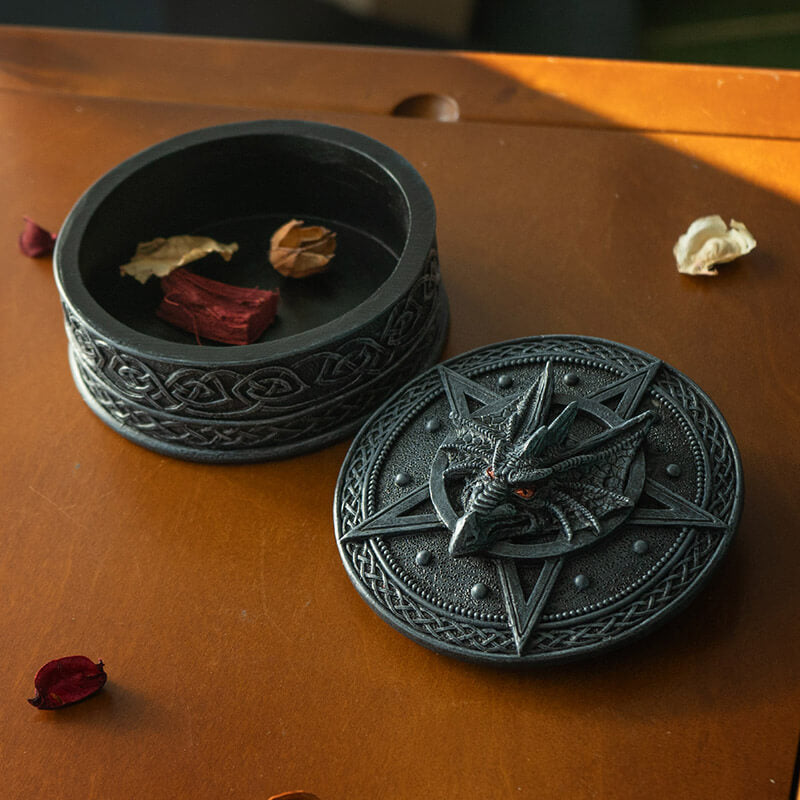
x,y
477,530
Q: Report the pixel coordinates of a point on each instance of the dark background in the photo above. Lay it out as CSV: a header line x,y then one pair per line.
x,y
736,32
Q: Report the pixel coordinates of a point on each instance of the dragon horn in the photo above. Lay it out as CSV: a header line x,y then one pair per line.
x,y
532,406
632,432
549,435
496,455
557,430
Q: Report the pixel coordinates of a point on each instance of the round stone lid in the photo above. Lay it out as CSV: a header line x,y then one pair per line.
x,y
538,500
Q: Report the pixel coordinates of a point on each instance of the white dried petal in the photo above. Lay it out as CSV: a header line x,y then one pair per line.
x,y
710,241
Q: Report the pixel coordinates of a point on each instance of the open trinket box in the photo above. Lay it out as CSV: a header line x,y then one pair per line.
x,y
342,341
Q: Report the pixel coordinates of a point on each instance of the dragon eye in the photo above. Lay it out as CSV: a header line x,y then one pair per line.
x,y
490,473
525,492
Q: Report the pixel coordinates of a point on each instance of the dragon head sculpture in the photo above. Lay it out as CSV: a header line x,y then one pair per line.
x,y
526,476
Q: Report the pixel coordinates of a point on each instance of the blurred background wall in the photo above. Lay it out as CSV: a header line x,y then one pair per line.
x,y
738,32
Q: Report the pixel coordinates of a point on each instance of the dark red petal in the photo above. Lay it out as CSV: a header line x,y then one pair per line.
x,y
35,241
67,680
214,310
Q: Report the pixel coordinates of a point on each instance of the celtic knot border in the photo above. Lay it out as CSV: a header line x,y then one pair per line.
x,y
275,404
553,639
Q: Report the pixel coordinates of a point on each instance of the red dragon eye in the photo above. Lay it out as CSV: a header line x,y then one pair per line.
x,y
490,473
525,492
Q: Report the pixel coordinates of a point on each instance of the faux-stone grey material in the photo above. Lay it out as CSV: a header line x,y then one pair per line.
x,y
284,395
537,501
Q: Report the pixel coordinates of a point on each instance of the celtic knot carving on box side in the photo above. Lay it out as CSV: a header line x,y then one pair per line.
x,y
226,408
240,394
213,435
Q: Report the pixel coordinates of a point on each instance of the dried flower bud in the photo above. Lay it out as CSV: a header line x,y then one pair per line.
x,y
161,256
35,241
67,680
215,310
708,242
297,251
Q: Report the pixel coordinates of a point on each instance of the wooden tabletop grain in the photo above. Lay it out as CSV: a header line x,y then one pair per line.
x,y
241,661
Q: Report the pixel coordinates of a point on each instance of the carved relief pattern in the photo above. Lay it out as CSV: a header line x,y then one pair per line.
x,y
558,638
232,408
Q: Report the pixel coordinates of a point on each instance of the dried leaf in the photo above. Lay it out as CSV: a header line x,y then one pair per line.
x,y
35,241
709,241
161,256
297,251
67,680
214,310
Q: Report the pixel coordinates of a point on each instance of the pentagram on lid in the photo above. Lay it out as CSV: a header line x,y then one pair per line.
x,y
542,517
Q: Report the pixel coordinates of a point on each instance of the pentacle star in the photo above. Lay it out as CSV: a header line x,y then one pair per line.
x,y
516,479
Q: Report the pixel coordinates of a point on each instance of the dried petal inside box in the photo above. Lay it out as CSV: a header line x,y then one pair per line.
x,y
342,340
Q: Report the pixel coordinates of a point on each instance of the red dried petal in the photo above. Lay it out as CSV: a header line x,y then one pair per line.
x,y
67,680
35,241
215,310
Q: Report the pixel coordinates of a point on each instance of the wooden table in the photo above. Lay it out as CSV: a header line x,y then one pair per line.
x,y
242,662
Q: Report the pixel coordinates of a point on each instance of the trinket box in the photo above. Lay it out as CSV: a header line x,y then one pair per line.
x,y
538,500
342,341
